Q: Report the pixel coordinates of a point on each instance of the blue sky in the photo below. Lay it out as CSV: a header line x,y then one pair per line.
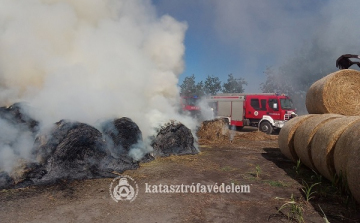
x,y
244,37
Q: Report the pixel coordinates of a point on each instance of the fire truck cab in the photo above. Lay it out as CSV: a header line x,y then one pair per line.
x,y
190,104
268,112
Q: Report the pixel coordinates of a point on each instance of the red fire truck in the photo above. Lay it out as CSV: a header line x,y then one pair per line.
x,y
190,104
268,112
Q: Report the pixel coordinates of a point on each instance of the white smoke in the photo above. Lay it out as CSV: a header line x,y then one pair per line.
x,y
87,60
207,113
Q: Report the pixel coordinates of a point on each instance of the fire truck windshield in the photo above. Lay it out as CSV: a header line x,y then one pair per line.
x,y
286,103
191,101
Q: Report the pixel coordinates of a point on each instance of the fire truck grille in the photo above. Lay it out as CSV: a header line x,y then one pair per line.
x,y
287,117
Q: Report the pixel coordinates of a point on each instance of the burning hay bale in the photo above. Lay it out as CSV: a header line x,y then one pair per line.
x,y
174,139
304,135
286,136
338,93
5,180
214,130
322,146
121,135
71,150
74,150
17,116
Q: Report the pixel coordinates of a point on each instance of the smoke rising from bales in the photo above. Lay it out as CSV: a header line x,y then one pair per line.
x,y
88,60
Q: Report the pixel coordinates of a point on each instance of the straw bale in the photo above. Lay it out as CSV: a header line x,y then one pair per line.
x,y
214,130
353,172
323,143
304,134
348,140
286,136
337,93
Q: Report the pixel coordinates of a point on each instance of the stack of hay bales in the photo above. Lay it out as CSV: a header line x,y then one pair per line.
x,y
327,140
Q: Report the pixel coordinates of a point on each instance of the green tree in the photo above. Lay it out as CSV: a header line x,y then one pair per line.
x,y
188,86
212,85
234,85
200,89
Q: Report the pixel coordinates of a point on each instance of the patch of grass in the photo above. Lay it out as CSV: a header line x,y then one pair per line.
x,y
275,183
313,183
297,167
227,168
308,190
294,210
249,176
324,217
257,171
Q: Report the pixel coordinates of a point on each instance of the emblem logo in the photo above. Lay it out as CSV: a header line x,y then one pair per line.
x,y
123,188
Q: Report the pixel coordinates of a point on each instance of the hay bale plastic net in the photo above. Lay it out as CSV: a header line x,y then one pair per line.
x,y
348,140
338,93
304,135
286,136
322,146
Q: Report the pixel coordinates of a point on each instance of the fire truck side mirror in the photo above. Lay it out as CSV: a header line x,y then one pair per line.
x,y
275,106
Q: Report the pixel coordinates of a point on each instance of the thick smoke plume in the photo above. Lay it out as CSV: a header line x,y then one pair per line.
x,y
89,60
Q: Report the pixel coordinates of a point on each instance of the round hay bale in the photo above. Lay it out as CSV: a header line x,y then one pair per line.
x,y
348,140
323,143
216,130
353,172
337,93
304,134
286,136
174,138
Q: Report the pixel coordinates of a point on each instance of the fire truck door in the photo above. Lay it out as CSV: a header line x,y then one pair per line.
x,y
224,108
237,110
274,108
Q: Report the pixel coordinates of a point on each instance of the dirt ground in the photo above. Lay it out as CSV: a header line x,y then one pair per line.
x,y
273,180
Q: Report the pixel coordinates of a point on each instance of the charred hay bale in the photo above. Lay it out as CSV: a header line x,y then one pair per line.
x,y
353,171
17,115
174,139
286,136
5,180
214,130
18,130
348,140
122,135
322,146
338,93
72,150
304,135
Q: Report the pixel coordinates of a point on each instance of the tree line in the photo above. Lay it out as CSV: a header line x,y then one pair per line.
x,y
211,86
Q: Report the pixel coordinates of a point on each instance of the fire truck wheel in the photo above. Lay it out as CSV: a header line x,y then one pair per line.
x,y
266,127
239,128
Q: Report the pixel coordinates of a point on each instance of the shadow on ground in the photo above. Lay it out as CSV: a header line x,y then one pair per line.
x,y
328,200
